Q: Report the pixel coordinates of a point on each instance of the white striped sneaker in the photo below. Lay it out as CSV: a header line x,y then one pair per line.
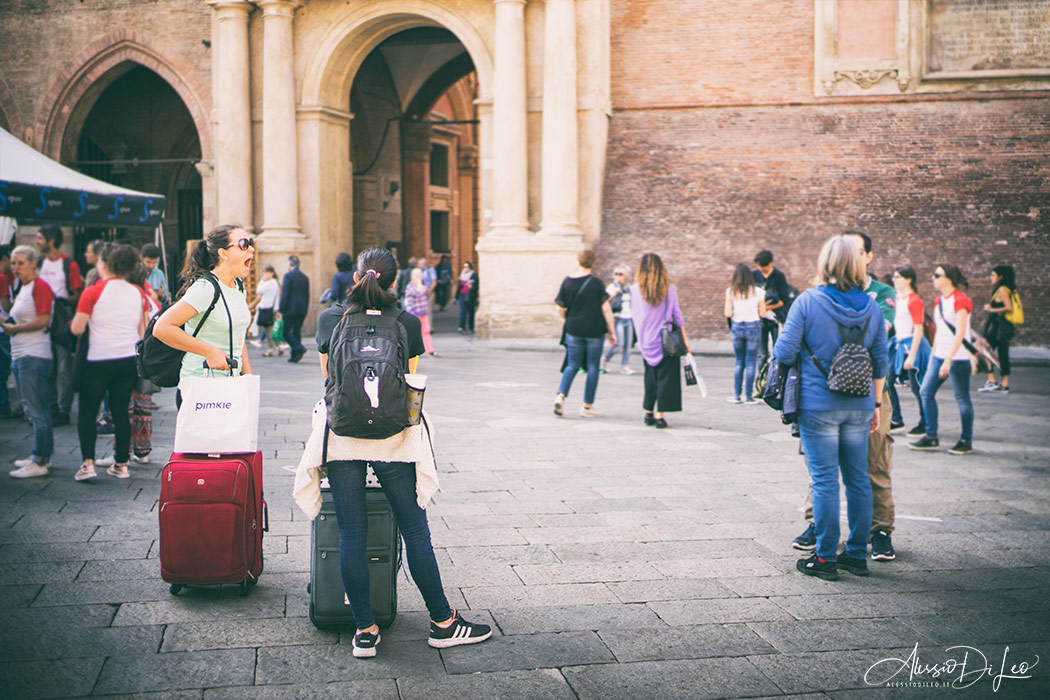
x,y
459,632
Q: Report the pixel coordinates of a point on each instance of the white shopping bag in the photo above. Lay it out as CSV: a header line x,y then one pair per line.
x,y
219,415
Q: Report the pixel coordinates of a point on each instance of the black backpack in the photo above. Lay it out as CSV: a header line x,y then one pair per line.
x,y
851,370
161,363
782,312
366,393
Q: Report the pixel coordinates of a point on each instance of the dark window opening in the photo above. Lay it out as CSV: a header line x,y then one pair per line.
x,y
439,234
439,165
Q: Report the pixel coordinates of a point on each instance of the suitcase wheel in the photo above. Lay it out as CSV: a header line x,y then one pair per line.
x,y
245,586
175,588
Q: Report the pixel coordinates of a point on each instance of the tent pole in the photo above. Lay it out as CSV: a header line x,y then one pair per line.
x,y
159,236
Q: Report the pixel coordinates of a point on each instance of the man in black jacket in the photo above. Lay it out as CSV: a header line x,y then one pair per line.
x,y
295,302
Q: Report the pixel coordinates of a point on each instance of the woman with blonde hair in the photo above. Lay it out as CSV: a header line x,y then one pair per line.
x,y
654,304
834,425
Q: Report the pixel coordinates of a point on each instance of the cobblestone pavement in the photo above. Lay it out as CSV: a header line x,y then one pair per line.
x,y
613,560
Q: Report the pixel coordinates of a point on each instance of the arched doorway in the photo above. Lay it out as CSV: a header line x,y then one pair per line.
x,y
414,147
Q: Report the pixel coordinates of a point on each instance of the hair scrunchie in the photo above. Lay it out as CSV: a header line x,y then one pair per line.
x,y
372,272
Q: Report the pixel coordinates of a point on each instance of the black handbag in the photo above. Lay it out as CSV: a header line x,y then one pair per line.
x,y
773,393
264,318
672,342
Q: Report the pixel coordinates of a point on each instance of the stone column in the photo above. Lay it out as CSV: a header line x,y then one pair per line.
x,y
280,171
415,193
232,112
510,206
560,189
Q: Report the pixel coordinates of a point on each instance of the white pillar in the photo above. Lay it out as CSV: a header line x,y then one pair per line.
x,y
280,154
510,205
232,110
560,189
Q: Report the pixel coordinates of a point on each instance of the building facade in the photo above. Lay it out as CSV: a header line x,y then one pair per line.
x,y
514,132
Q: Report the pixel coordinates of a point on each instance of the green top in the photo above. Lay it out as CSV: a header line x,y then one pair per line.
x,y
884,295
216,330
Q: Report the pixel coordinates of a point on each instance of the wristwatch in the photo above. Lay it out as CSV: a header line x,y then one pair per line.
x,y
878,405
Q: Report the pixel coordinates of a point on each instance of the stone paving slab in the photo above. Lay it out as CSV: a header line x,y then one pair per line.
x,y
612,560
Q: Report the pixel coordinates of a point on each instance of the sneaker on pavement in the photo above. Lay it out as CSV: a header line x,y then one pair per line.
x,y
29,460
734,399
990,386
144,459
897,427
882,546
626,370
105,462
821,568
751,402
84,473
459,632
963,447
559,404
119,472
917,431
589,413
650,419
855,566
30,470
807,541
660,423
365,644
927,444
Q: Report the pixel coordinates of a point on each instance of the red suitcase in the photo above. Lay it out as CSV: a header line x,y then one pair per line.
x,y
212,519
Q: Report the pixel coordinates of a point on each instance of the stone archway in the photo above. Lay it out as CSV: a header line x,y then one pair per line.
x,y
324,119
82,75
9,111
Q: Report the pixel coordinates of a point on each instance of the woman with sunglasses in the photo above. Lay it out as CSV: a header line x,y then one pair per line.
x,y
950,358
225,255
913,350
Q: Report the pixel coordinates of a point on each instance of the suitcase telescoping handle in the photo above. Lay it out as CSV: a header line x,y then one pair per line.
x,y
266,517
232,361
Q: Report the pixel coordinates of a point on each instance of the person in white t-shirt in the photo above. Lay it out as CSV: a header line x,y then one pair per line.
x,y
949,358
267,294
31,361
745,307
114,312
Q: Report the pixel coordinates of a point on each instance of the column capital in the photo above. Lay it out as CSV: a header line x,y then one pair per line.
x,y
278,8
231,8
508,2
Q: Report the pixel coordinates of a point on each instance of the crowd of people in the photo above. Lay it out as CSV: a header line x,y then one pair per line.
x,y
848,308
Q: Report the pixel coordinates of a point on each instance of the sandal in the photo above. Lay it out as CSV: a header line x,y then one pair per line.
x,y
268,353
84,473
119,470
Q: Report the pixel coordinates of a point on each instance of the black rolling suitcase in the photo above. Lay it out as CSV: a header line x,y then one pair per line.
x,y
329,605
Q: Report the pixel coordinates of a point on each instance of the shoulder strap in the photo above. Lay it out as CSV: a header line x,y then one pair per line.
x,y
813,357
940,309
67,265
214,301
324,443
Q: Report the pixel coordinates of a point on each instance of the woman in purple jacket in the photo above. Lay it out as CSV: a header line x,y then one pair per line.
x,y
835,426
654,302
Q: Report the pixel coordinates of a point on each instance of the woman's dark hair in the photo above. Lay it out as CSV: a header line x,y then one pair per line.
x,y
96,246
138,275
954,275
120,260
743,283
372,292
1006,276
205,255
344,263
908,273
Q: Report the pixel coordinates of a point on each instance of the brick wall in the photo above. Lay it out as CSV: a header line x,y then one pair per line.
x,y
960,181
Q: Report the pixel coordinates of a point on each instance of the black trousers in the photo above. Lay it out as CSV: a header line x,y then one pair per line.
x,y
770,333
117,377
293,332
663,386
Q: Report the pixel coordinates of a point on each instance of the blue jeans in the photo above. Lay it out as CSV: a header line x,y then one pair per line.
x,y
347,479
913,384
466,316
834,442
36,387
582,352
960,376
5,372
745,347
624,336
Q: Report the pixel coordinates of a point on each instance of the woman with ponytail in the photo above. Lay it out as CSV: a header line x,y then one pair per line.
x,y
403,463
224,256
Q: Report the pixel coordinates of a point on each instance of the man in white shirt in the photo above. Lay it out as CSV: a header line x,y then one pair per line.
x,y
62,274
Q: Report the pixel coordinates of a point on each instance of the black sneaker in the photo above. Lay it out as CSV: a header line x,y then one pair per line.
x,y
857,567
821,568
963,447
807,541
926,444
917,431
896,427
365,644
650,419
459,632
882,546
660,423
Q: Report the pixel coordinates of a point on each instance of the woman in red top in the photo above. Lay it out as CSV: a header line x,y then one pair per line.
x,y
117,311
913,350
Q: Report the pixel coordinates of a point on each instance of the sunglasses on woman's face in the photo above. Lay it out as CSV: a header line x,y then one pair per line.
x,y
243,244
937,275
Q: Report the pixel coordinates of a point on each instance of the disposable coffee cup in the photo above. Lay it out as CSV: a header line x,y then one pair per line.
x,y
417,385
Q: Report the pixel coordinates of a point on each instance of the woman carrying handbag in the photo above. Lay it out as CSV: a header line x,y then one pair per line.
x,y
659,324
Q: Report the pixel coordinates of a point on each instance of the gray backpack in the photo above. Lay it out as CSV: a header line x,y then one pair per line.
x,y
851,369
